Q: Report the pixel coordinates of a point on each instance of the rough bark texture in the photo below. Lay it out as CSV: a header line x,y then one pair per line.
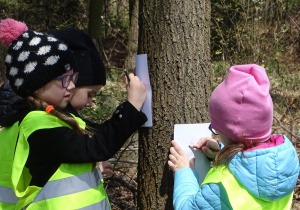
x,y
175,35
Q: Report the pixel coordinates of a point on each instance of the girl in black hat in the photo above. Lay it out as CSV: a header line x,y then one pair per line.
x,y
51,155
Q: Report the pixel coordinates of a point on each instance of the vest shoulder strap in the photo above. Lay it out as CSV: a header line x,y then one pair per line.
x,y
36,120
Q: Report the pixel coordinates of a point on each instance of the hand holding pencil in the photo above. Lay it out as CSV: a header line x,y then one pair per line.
x,y
208,145
136,91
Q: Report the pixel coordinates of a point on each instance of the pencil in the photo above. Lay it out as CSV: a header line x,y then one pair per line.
x,y
126,74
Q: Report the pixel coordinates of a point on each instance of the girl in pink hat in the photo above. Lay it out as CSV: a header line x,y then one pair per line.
x,y
254,169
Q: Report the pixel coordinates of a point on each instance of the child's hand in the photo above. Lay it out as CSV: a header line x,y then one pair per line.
x,y
209,146
136,91
179,160
106,167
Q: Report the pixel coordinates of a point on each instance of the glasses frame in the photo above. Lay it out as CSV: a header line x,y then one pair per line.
x,y
68,78
212,130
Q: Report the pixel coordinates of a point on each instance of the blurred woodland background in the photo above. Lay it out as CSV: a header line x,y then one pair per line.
x,y
265,32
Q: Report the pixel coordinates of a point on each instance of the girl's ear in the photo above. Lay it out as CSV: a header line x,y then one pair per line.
x,y
37,92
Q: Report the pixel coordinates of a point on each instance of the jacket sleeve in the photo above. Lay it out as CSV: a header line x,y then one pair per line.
x,y
65,145
122,113
188,195
8,116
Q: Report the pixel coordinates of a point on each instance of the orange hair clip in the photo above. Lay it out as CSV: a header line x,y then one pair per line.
x,y
49,108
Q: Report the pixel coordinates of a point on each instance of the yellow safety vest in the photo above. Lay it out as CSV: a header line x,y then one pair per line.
x,y
72,186
8,138
239,197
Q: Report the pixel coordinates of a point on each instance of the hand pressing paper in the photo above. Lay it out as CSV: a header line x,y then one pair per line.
x,y
141,69
189,134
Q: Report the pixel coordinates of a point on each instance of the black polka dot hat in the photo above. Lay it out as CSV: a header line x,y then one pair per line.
x,y
33,59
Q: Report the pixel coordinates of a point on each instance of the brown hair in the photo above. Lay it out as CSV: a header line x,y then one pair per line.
x,y
42,105
228,152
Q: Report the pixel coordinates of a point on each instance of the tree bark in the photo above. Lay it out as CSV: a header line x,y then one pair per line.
x,y
176,36
95,28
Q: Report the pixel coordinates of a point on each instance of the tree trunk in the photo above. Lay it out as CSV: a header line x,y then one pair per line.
x,y
95,23
176,36
132,44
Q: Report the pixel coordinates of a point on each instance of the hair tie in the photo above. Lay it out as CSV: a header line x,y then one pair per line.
x,y
49,108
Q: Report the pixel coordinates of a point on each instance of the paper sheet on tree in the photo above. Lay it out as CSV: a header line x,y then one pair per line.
x,y
141,69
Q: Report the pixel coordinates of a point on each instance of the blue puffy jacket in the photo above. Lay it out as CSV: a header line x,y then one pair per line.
x,y
269,174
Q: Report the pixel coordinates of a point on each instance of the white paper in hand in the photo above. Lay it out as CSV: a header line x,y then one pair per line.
x,y
189,134
141,69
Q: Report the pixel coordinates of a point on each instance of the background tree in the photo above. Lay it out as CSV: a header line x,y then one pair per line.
x,y
43,15
175,35
132,43
95,27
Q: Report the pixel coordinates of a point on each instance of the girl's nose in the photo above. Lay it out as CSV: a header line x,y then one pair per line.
x,y
71,86
89,103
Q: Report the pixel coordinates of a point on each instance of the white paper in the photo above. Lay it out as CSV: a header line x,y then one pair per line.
x,y
141,70
189,134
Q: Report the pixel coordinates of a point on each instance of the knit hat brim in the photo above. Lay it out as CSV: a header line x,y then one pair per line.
x,y
89,64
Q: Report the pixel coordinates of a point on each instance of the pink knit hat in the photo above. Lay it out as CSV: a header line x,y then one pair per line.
x,y
241,106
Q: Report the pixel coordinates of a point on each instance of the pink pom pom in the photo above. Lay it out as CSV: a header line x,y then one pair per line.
x,y
10,30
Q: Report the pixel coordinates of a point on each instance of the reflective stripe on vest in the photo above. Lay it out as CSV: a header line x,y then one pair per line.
x,y
7,195
72,186
97,206
61,187
239,196
8,139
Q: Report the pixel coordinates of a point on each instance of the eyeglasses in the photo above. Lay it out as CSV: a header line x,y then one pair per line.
x,y
65,80
212,130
